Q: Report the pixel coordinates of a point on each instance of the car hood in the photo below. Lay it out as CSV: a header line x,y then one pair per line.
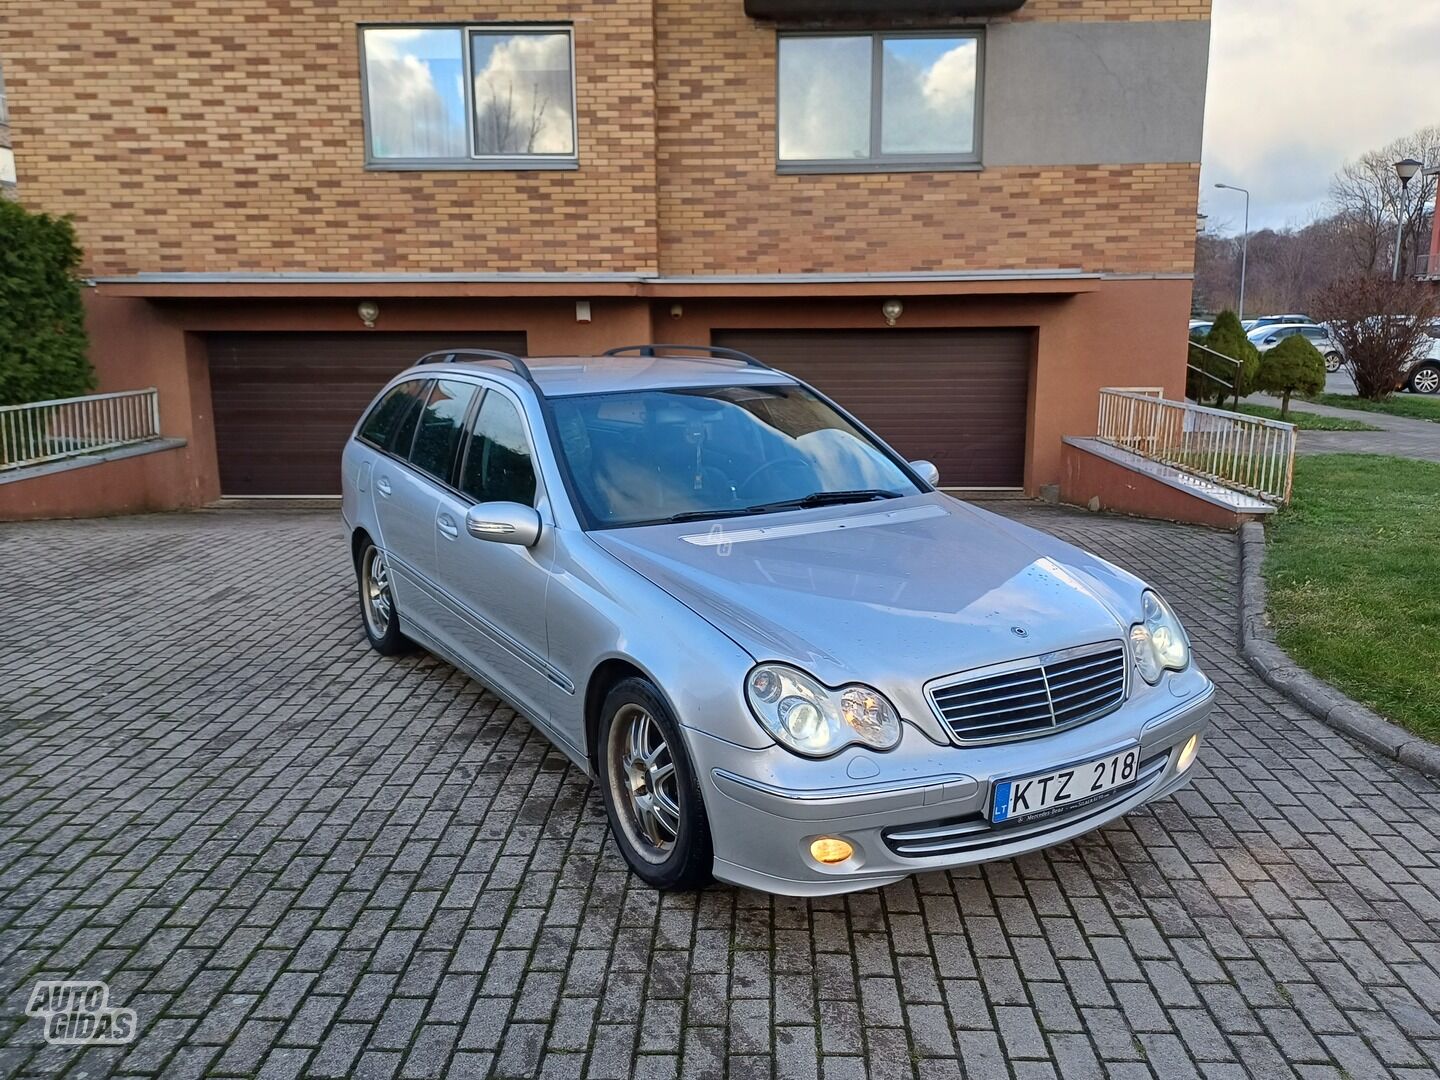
x,y
893,594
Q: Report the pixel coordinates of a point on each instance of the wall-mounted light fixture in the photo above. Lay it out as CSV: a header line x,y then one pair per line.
x,y
892,310
676,311
369,311
582,311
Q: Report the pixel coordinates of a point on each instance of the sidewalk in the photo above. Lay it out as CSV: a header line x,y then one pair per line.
x,y
1399,436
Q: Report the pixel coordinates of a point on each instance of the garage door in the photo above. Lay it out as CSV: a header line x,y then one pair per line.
x,y
954,397
285,403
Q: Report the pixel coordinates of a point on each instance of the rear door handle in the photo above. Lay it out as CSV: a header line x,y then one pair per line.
x,y
383,486
447,526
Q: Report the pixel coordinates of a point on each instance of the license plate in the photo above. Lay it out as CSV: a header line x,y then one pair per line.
x,y
1063,788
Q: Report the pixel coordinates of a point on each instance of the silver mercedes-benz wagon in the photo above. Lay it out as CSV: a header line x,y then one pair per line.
x,y
787,659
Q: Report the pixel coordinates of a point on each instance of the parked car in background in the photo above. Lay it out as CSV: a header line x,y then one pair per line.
x,y
1200,327
787,660
1422,375
1277,320
1267,337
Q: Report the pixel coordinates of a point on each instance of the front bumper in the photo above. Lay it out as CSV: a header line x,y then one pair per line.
x,y
925,807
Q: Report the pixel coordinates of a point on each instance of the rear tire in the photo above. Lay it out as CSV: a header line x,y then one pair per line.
x,y
378,613
651,794
1425,379
1332,362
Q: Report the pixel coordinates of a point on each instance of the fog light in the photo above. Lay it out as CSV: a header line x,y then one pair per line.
x,y
830,850
1187,755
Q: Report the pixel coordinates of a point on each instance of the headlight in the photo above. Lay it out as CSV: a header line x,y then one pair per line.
x,y
1159,642
814,720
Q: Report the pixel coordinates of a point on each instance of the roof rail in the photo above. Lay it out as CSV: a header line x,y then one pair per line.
x,y
447,356
707,350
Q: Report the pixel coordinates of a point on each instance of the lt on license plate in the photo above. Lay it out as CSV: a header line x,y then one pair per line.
x,y
1050,791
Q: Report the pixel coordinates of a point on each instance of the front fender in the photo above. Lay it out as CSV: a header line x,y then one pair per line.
x,y
599,610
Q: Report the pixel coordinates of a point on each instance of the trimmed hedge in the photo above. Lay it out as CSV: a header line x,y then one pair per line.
x,y
1228,338
1293,367
43,347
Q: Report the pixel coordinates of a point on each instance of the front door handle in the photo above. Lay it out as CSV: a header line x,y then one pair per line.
x,y
447,526
383,486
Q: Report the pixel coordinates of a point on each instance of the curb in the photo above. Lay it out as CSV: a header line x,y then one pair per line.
x,y
1323,701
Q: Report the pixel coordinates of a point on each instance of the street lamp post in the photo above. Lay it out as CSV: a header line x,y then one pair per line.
x,y
1406,170
1244,244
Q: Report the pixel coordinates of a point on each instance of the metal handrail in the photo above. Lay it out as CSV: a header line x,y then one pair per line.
x,y
44,431
1248,453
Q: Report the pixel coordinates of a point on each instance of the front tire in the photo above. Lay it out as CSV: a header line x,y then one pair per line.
x,y
377,602
651,794
1425,379
1332,362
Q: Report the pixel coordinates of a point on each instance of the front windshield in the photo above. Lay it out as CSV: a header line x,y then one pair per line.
x,y
658,455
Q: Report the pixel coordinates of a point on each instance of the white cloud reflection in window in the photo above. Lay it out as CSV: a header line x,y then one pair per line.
x,y
416,93
824,98
929,95
524,102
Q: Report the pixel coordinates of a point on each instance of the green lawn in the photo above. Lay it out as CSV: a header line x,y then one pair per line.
x,y
1353,570
1307,421
1417,406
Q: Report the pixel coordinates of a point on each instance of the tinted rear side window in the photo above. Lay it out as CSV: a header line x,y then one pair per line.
x,y
387,421
497,465
441,425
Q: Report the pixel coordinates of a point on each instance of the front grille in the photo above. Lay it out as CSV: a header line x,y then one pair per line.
x,y
1028,701
976,832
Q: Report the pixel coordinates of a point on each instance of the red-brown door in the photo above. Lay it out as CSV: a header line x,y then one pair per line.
x,y
285,403
958,398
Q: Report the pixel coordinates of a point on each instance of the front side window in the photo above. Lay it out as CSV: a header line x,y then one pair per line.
x,y
498,466
652,455
870,102
441,424
481,96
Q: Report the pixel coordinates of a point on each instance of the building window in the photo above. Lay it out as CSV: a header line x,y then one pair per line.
x,y
879,102
470,97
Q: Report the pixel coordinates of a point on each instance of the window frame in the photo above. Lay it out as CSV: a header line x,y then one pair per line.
x,y
879,161
473,160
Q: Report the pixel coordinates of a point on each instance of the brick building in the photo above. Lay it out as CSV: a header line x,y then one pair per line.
x,y
560,177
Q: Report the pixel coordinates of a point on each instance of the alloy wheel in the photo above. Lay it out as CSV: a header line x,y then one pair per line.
x,y
644,784
1426,381
379,600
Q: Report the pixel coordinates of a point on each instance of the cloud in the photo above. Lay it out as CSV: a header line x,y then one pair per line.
x,y
409,115
1298,87
930,106
523,100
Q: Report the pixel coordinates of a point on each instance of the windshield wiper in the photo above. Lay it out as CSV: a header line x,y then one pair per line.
x,y
824,498
818,498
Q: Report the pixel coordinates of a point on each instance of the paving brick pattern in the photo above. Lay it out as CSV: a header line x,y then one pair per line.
x,y
294,857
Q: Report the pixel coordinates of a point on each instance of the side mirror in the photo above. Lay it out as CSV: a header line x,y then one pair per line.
x,y
504,523
927,471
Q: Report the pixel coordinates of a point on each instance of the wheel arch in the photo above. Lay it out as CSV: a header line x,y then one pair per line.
x,y
608,674
358,539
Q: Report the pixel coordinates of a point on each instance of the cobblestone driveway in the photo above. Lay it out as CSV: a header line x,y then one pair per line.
x,y
294,857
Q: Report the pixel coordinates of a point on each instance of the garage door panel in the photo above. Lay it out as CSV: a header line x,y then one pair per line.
x,y
958,398
284,404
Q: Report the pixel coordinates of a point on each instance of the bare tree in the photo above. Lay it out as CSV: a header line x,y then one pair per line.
x,y
1366,194
500,129
1380,325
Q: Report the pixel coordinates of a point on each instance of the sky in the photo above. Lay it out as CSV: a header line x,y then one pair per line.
x,y
1298,87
